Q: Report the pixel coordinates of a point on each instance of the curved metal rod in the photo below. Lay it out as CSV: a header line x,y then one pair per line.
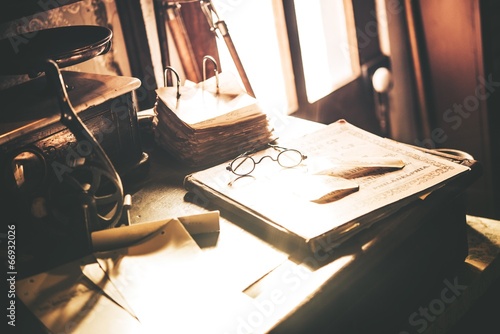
x,y
178,80
216,71
216,23
70,119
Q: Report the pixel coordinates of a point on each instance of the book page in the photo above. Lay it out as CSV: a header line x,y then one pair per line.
x,y
201,106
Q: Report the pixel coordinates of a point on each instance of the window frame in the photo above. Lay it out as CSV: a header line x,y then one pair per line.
x,y
342,102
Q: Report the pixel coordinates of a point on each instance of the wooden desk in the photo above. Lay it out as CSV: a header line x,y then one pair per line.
x,y
381,282
376,284
480,269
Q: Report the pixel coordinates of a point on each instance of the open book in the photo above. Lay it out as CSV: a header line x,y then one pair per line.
x,y
349,180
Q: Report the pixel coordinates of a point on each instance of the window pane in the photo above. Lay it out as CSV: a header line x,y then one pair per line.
x,y
383,29
258,31
328,54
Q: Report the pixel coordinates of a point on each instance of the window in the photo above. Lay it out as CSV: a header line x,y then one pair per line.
x,y
312,58
258,29
325,46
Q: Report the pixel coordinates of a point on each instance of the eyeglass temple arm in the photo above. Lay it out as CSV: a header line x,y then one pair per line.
x,y
276,147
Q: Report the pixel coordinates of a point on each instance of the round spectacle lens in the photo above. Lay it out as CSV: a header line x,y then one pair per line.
x,y
289,158
242,166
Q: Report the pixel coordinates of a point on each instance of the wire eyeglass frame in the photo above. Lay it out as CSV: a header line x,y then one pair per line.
x,y
244,164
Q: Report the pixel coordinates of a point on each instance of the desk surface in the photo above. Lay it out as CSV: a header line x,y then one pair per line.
x,y
385,277
285,283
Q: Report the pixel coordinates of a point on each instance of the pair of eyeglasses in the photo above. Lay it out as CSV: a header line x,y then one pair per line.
x,y
244,164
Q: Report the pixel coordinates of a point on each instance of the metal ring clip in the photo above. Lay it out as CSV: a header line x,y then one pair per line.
x,y
169,68
216,70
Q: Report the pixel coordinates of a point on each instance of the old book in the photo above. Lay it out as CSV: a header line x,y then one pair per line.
x,y
201,126
368,177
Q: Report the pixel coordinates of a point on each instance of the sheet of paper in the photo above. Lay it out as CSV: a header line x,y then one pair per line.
x,y
228,84
169,285
162,284
239,260
96,274
202,108
66,301
124,236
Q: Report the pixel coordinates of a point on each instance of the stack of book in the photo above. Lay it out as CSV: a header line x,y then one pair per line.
x,y
210,122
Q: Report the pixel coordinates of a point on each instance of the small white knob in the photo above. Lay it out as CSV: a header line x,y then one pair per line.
x,y
382,80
